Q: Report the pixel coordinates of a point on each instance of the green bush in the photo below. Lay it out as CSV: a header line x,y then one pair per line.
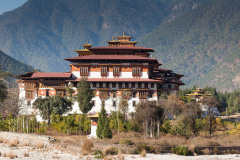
x,y
126,142
98,154
180,150
166,126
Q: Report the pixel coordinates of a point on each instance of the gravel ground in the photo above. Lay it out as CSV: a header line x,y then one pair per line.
x,y
48,152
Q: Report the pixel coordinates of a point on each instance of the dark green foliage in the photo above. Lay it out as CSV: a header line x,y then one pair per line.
x,y
103,129
52,105
98,154
3,91
181,150
106,133
71,123
84,96
166,126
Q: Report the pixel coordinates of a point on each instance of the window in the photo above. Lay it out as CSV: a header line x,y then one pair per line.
x,y
103,94
120,85
84,70
152,85
126,85
28,103
169,86
139,85
142,95
136,71
75,85
159,86
114,85
133,85
94,84
29,86
93,103
60,93
29,94
100,85
116,71
104,70
107,85
146,85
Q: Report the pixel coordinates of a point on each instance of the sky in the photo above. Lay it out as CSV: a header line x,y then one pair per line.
x,y
8,5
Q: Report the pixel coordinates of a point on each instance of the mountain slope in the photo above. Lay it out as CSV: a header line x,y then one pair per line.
x,y
42,33
8,64
203,45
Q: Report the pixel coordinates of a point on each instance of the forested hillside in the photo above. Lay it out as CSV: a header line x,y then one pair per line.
x,y
42,33
203,45
8,64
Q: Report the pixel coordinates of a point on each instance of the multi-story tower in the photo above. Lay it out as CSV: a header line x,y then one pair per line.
x,y
120,70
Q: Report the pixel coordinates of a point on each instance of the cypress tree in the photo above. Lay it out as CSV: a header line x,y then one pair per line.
x,y
84,96
107,133
102,120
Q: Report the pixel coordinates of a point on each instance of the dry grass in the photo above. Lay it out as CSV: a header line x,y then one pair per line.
x,y
4,154
110,150
55,157
13,143
143,153
120,155
24,144
12,156
87,147
26,154
40,145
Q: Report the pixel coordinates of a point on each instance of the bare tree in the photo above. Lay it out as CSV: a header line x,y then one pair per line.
x,y
211,104
174,105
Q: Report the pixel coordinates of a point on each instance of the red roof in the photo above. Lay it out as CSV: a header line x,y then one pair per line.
x,y
50,75
117,80
110,57
122,48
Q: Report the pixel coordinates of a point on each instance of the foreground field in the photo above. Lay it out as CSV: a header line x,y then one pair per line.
x,y
31,146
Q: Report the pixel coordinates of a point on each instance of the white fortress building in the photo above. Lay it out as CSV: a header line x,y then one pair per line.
x,y
111,70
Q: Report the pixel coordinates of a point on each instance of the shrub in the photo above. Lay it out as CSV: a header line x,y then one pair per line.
x,y
98,154
11,155
87,146
126,142
181,150
141,147
26,154
166,126
110,151
39,145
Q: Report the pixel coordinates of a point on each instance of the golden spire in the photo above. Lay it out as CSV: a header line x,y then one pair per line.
x,y
123,33
113,38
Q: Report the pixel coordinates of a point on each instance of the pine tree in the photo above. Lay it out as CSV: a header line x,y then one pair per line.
x,y
84,96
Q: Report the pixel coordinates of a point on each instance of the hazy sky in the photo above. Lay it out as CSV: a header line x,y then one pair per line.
x,y
8,5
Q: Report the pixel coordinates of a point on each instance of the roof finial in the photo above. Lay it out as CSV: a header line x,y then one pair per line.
x,y
87,42
113,38
123,33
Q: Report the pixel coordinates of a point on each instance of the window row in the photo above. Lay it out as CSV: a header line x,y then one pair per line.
x,y
121,86
136,71
126,95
